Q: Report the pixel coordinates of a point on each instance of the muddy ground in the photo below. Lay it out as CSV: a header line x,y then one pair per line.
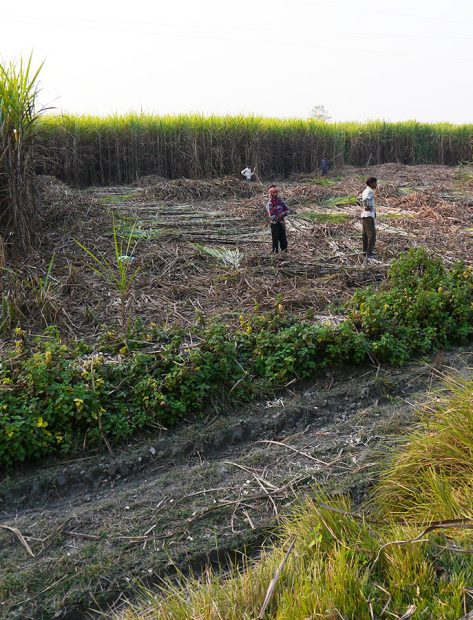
x,y
97,526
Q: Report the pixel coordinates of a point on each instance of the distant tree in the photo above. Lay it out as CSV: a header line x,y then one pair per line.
x,y
320,113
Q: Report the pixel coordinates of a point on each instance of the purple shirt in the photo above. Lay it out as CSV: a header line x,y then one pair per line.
x,y
277,209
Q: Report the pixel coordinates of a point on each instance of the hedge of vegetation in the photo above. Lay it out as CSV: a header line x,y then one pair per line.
x,y
57,397
86,150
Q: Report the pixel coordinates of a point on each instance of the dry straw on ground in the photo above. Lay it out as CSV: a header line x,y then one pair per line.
x,y
183,236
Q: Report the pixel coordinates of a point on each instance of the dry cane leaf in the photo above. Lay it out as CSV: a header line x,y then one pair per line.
x,y
410,611
272,586
20,537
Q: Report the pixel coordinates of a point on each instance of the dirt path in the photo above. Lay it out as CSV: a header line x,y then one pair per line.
x,y
97,525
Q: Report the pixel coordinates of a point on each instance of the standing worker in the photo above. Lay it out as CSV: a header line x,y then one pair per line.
x,y
277,211
324,166
368,217
247,174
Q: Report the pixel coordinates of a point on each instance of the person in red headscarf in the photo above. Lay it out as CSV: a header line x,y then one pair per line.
x,y
277,211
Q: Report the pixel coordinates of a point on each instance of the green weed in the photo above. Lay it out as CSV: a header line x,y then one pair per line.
x,y
136,232
326,182
117,199
340,201
9,313
119,272
331,218
54,398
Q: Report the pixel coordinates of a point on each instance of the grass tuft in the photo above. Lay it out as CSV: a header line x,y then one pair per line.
x,y
432,477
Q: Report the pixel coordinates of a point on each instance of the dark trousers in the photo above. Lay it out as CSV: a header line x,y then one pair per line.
x,y
369,235
278,233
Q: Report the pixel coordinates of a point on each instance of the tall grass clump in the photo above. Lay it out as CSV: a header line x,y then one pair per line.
x,y
378,562
432,477
18,120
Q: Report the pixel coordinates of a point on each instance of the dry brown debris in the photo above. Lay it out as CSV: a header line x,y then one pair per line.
x,y
188,189
178,279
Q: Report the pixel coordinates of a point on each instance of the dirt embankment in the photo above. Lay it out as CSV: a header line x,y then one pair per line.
x,y
98,525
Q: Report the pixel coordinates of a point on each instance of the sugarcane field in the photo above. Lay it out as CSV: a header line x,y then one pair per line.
x,y
236,350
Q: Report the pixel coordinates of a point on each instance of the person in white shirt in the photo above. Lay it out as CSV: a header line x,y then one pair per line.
x,y
368,217
246,172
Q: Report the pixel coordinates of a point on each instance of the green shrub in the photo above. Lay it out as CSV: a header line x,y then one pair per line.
x,y
56,397
420,308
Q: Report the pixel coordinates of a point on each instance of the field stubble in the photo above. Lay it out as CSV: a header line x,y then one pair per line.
x,y
203,247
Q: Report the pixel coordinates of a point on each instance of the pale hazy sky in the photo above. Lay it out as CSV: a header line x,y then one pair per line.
x,y
362,59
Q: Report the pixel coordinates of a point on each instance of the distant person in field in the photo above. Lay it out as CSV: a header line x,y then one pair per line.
x,y
277,211
324,166
248,174
368,217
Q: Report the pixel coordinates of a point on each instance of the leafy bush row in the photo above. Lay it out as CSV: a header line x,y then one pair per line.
x,y
57,397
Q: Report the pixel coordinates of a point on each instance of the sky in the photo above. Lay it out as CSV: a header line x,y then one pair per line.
x,y
361,59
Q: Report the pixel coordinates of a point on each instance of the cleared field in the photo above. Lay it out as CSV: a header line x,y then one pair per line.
x,y
204,246
141,310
